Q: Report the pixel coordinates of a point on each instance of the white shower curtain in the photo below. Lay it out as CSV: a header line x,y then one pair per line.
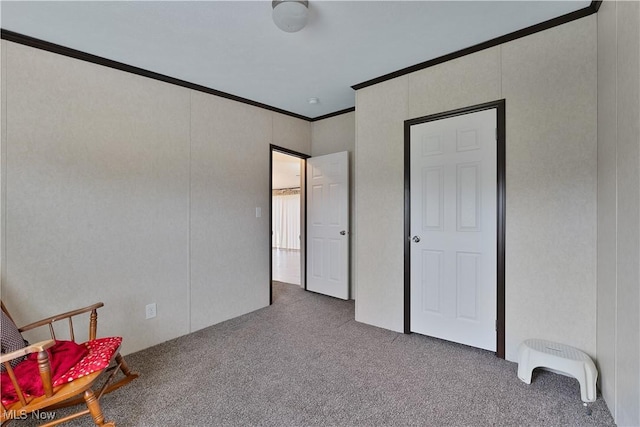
x,y
286,221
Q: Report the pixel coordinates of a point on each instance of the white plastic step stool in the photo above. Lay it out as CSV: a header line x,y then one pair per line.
x,y
559,357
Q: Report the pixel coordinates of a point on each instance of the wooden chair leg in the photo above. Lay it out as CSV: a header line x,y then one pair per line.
x,y
95,410
123,365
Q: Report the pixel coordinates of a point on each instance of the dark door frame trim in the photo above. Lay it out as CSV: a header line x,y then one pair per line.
x,y
303,175
500,107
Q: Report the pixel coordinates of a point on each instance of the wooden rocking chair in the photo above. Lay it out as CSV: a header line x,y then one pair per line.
x,y
72,390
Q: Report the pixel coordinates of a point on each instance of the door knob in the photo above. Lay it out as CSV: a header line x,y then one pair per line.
x,y
416,239
342,233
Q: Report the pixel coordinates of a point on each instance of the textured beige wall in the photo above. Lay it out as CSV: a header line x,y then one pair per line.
x,y
291,133
465,81
607,211
128,190
3,157
334,135
379,242
229,179
97,195
619,208
628,251
549,82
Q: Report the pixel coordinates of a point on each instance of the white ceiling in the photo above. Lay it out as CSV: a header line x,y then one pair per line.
x,y
234,46
286,171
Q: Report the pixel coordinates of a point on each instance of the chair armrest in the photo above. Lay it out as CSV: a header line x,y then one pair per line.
x,y
33,348
57,317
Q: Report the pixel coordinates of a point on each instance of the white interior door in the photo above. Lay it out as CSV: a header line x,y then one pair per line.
x,y
328,225
453,229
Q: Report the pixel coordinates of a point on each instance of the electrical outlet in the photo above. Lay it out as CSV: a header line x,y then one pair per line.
x,y
150,310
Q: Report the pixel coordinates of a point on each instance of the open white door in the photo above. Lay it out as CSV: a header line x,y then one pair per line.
x,y
328,225
453,229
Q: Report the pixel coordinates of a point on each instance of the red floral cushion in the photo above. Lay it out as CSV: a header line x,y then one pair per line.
x,y
101,351
62,356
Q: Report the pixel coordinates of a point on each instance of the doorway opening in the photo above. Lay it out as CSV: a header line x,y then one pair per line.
x,y
287,256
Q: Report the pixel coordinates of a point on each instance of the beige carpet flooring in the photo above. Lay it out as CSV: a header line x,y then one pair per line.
x,y
304,361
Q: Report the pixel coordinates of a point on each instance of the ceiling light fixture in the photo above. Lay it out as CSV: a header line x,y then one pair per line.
x,y
290,15
314,101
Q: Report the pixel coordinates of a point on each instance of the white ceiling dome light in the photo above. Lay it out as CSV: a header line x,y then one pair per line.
x,y
290,15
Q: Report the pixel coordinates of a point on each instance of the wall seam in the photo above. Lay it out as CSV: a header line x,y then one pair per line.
x,y
616,205
500,69
408,95
639,187
189,213
597,260
408,105
3,168
354,213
